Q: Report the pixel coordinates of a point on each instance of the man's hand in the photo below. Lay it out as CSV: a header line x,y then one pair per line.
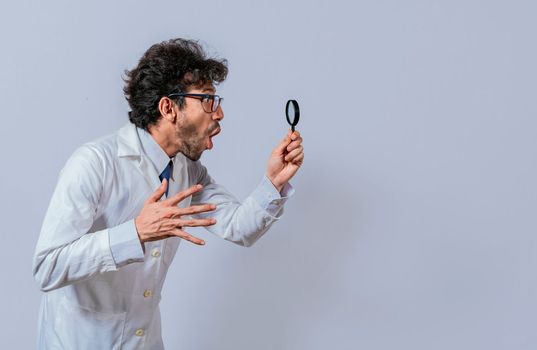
x,y
285,160
162,219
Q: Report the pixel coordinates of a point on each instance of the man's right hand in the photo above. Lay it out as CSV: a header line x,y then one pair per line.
x,y
162,219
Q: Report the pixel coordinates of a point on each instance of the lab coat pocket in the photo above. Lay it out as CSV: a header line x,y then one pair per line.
x,y
74,327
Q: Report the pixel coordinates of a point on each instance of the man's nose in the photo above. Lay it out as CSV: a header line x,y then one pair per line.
x,y
219,114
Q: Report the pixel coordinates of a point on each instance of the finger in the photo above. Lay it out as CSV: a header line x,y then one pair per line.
x,y
295,135
174,212
292,159
298,160
179,223
283,144
291,155
294,144
159,192
174,200
187,236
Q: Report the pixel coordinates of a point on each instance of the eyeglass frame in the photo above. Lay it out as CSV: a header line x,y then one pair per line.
x,y
201,97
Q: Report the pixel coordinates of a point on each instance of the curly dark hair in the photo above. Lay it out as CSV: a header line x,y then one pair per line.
x,y
171,66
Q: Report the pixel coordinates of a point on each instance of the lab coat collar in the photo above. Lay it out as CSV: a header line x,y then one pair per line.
x,y
152,150
128,143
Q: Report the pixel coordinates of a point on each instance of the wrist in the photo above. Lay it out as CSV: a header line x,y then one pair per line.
x,y
136,225
279,186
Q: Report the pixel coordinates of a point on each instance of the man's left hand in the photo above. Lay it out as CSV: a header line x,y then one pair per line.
x,y
285,160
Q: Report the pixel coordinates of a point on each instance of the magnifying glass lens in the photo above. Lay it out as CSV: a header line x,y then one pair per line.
x,y
292,113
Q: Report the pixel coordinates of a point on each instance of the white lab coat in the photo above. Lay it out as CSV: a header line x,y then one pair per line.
x,y
98,300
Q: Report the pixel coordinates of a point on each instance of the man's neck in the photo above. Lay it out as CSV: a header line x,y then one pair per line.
x,y
161,138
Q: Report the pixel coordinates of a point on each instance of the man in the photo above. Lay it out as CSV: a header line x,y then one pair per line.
x,y
123,203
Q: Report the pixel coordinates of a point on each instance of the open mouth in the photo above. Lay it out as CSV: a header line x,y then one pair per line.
x,y
216,132
210,138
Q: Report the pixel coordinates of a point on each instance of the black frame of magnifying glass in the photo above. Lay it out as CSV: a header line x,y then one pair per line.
x,y
296,119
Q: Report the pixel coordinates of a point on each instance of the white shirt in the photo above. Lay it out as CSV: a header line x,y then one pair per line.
x,y
102,287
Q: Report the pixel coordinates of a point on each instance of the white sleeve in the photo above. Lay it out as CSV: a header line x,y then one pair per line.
x,y
67,251
242,223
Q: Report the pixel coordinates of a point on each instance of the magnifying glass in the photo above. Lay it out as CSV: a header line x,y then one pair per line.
x,y
292,113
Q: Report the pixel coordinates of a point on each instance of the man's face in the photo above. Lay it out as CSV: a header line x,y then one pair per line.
x,y
195,126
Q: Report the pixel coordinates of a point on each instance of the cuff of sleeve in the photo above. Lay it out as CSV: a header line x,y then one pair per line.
x,y
269,198
125,244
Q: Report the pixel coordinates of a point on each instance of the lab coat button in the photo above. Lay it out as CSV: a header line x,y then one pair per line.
x,y
147,294
155,253
139,332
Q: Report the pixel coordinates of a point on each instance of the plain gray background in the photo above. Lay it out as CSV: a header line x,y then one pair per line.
x,y
413,225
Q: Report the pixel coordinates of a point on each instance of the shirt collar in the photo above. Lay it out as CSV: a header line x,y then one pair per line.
x,y
153,151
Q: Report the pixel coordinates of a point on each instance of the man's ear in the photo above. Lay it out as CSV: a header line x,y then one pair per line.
x,y
167,109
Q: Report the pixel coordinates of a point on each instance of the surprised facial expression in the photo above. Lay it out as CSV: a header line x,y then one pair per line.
x,y
195,126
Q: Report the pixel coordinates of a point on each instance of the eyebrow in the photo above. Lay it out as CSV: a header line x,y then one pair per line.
x,y
209,90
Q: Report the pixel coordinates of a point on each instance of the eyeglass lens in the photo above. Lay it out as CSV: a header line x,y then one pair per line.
x,y
211,104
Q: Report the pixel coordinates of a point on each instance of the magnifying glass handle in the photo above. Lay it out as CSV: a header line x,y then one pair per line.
x,y
292,128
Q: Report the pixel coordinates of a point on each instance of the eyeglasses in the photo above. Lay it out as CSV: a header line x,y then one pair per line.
x,y
210,103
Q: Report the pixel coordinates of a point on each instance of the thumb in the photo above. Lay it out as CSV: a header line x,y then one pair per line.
x,y
159,192
284,143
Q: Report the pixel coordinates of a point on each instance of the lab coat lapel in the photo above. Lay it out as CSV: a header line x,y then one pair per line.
x,y
149,172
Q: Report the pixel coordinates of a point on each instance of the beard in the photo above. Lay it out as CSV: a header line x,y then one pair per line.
x,y
193,151
193,143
